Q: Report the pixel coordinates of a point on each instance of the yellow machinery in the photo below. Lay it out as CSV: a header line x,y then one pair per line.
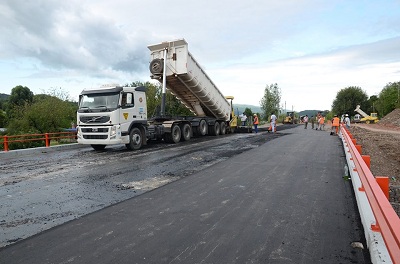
x,y
290,118
373,118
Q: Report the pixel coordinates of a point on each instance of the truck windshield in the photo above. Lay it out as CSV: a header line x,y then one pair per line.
x,y
99,102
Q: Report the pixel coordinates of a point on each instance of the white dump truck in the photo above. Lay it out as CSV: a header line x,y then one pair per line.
x,y
113,114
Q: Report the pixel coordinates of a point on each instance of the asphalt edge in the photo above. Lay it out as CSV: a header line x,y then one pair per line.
x,y
30,151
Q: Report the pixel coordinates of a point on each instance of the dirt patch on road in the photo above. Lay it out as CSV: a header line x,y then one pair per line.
x,y
382,142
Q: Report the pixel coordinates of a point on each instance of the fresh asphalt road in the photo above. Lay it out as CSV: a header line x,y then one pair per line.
x,y
283,202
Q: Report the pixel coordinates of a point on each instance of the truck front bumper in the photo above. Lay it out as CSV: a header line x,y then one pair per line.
x,y
101,135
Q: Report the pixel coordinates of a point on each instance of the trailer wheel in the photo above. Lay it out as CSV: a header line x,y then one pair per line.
x,y
156,66
223,128
202,128
186,132
98,147
135,139
215,129
174,136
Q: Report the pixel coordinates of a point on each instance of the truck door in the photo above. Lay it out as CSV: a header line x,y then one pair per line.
x,y
128,111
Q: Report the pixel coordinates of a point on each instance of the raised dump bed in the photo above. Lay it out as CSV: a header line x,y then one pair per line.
x,y
187,80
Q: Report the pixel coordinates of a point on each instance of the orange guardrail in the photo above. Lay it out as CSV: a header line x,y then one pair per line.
x,y
46,137
387,221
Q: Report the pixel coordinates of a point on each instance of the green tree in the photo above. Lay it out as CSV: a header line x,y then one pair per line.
x,y
20,96
46,114
347,100
153,96
271,100
248,112
3,118
372,103
389,98
173,106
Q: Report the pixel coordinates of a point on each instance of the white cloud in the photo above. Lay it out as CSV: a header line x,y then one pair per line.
x,y
308,47
313,81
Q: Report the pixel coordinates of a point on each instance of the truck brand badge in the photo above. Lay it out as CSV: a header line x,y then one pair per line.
x,y
95,129
125,116
94,118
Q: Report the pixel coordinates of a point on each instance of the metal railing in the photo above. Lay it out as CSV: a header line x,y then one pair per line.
x,y
387,221
46,137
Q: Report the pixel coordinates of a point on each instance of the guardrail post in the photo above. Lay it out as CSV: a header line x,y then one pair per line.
x,y
47,140
367,160
375,228
359,148
383,182
5,141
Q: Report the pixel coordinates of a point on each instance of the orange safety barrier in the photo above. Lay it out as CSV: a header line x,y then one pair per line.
x,y
387,221
46,137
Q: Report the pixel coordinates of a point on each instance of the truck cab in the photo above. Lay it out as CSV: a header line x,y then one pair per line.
x,y
106,115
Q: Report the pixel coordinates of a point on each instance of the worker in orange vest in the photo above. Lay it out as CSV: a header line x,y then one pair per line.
x,y
255,123
335,124
321,123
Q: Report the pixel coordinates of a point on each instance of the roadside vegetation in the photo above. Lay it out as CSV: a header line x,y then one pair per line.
x,y
346,101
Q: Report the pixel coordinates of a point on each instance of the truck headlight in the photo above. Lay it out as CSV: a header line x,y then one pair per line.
x,y
78,132
113,132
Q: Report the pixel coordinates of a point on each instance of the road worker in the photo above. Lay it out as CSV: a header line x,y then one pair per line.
x,y
243,118
321,123
335,124
273,122
255,123
347,121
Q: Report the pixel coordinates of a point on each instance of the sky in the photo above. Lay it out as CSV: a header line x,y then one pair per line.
x,y
311,48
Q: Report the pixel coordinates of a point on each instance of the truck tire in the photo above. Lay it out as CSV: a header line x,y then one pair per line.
x,y
223,128
202,128
174,136
215,129
98,147
186,132
135,139
156,66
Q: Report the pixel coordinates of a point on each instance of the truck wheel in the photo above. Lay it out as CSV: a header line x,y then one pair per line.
x,y
223,128
215,129
98,147
174,136
156,66
202,128
186,132
135,139
367,122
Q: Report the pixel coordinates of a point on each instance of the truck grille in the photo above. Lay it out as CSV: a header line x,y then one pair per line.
x,y
94,130
95,136
94,119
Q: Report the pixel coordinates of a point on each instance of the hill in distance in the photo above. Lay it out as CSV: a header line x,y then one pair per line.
x,y
311,112
239,108
4,96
